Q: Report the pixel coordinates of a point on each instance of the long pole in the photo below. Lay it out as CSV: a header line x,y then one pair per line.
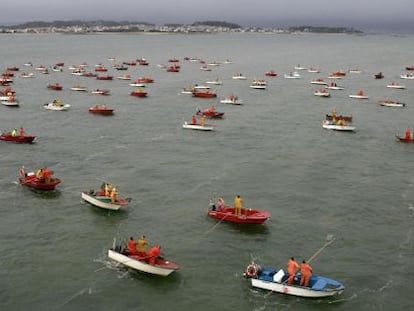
x,y
330,240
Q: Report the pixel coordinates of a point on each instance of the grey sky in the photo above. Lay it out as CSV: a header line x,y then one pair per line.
x,y
374,14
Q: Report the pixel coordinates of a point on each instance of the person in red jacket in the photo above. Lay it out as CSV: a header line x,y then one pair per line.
x,y
132,246
153,253
292,267
306,272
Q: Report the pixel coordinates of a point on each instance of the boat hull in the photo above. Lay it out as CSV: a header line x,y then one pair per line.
x,y
198,127
32,182
248,216
332,126
161,267
18,139
405,140
103,202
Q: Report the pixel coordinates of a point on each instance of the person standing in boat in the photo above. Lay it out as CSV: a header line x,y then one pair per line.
x,y
408,133
14,133
202,120
22,131
108,189
142,246
153,253
194,120
306,272
238,202
292,268
39,174
114,195
47,174
132,246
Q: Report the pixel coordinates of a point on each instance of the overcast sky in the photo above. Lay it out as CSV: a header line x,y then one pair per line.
x,y
366,14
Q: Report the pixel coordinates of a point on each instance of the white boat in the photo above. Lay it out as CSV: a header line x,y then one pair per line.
x,y
79,88
299,67
161,266
231,100
337,126
137,84
391,103
319,82
258,84
275,280
396,85
124,77
201,87
198,127
56,105
314,70
27,75
357,96
333,86
205,68
215,82
322,93
292,75
239,77
101,92
104,201
408,76
188,90
355,71
8,103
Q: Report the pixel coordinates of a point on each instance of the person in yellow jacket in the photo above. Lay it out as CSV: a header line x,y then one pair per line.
x,y
238,202
114,195
142,246
203,120
108,189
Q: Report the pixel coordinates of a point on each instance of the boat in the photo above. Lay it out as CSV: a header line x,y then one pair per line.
x,y
275,280
198,127
239,77
379,75
396,85
57,105
355,70
332,116
299,67
40,68
27,75
79,88
216,81
270,73
101,69
124,77
334,86
319,81
408,76
224,212
405,139
292,75
173,68
23,139
144,80
139,93
339,125
359,95
47,182
322,93
101,92
188,90
99,199
156,265
136,84
201,87
391,103
205,68
107,77
10,101
143,62
232,100
56,87
120,67
410,68
130,63
204,94
101,109
210,113
259,85
314,70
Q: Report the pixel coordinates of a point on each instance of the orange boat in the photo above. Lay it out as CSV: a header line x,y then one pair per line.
x,y
101,109
56,87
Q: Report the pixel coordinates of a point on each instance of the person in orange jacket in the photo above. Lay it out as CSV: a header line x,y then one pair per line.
x,y
306,272
292,267
408,133
194,120
153,253
132,246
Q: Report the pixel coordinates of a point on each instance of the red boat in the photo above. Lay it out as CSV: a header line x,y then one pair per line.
x,y
173,69
271,73
7,92
56,87
30,180
173,60
139,93
405,139
132,63
101,69
89,75
104,77
17,139
101,109
226,213
210,113
12,68
143,62
145,80
205,94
